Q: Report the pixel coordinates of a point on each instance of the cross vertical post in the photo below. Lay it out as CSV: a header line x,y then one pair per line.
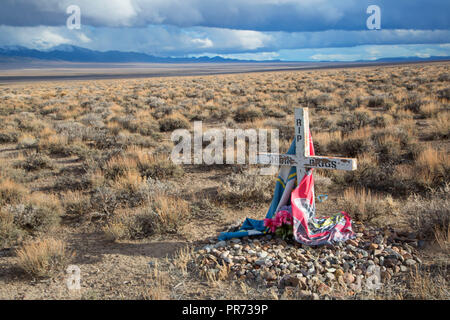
x,y
301,139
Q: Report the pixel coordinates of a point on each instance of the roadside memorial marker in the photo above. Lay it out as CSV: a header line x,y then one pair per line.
x,y
302,159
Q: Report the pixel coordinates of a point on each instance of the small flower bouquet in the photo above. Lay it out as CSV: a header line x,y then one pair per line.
x,y
281,225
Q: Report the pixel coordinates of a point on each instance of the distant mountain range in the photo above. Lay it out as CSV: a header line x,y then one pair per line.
x,y
77,54
69,53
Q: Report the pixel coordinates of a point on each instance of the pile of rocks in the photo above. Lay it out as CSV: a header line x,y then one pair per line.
x,y
375,256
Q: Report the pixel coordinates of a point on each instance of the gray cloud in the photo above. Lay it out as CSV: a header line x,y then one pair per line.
x,y
261,15
174,41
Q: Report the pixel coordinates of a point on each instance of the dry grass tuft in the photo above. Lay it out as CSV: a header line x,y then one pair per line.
x,y
11,192
248,187
247,113
366,206
173,122
430,216
43,258
159,283
10,234
432,167
161,214
424,286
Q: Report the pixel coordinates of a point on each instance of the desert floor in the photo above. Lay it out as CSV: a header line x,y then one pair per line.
x,y
86,180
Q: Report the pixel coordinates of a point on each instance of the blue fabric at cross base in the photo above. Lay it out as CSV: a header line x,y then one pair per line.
x,y
255,227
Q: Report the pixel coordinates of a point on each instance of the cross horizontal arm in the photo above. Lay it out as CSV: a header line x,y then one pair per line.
x,y
333,163
277,159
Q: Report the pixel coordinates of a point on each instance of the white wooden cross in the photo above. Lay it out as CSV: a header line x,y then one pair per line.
x,y
302,160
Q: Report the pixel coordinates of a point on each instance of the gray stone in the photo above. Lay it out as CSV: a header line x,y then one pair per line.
x,y
228,260
260,262
269,276
220,244
410,262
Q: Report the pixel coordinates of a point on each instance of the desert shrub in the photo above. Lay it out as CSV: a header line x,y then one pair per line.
x,y
219,114
149,128
433,167
10,234
376,102
55,145
27,141
36,162
11,192
30,125
395,147
104,200
170,213
163,214
315,98
118,166
439,127
128,191
429,215
164,111
411,151
208,94
145,127
80,150
158,167
274,112
322,123
173,122
39,213
428,284
72,130
8,137
444,94
377,178
389,151
131,189
100,139
285,130
351,121
237,89
124,139
116,229
413,106
247,113
43,258
155,102
366,206
351,147
430,109
72,182
379,121
76,204
444,77
93,120
248,187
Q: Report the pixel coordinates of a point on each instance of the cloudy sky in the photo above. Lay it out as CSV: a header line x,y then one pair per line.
x,y
294,30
